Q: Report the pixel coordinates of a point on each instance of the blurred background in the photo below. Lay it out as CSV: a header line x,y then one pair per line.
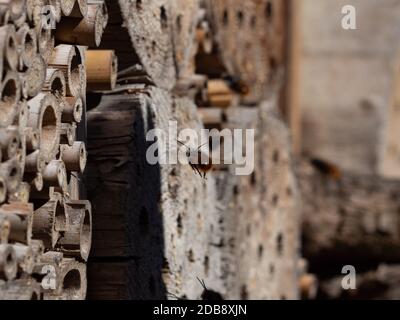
x,y
348,90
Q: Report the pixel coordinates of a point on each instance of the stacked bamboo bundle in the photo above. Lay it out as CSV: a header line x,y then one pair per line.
x,y
45,226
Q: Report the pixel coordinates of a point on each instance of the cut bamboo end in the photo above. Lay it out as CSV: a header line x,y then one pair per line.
x,y
27,43
67,6
9,46
68,59
8,262
45,115
34,162
76,240
68,133
221,100
74,157
11,172
47,221
10,95
102,69
73,110
9,142
35,76
217,87
55,83
72,281
55,174
87,31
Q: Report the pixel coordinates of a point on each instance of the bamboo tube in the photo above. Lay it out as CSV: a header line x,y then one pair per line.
x,y
55,83
35,180
9,142
27,43
8,262
75,241
3,190
68,59
54,174
87,31
10,95
8,47
35,76
44,115
67,6
34,162
221,100
73,281
11,172
19,215
46,222
74,156
104,10
73,110
101,69
218,87
68,133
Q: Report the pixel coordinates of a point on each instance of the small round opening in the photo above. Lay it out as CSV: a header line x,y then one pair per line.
x,y
86,235
48,129
60,219
72,283
57,88
75,72
30,48
9,259
34,296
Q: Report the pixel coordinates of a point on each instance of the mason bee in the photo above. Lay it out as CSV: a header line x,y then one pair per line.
x,y
197,162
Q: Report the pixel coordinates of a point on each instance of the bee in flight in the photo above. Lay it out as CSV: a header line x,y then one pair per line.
x,y
199,161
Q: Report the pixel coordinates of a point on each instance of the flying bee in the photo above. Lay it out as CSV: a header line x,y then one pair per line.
x,y
199,161
236,84
328,169
209,295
